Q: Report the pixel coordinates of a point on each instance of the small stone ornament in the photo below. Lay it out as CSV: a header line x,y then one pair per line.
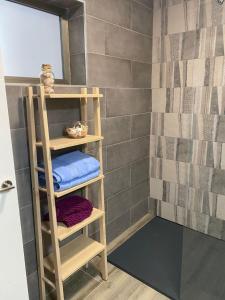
x,y
47,78
79,130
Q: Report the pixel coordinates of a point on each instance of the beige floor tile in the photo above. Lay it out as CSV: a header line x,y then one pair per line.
x,y
122,286
88,285
159,296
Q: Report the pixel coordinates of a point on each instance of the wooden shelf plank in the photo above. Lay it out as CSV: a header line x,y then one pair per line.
x,y
74,188
66,142
74,255
71,96
64,232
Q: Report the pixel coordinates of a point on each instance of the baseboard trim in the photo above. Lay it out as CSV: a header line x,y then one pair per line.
x,y
118,241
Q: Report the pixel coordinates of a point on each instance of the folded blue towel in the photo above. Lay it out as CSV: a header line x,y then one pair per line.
x,y
71,169
73,165
61,186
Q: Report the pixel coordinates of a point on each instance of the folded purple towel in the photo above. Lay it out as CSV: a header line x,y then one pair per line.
x,y
72,210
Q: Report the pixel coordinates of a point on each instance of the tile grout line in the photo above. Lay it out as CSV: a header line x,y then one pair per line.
x,y
131,60
120,26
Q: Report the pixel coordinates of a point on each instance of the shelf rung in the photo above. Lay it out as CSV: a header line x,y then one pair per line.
x,y
45,228
66,142
64,232
49,282
40,169
74,255
74,188
70,96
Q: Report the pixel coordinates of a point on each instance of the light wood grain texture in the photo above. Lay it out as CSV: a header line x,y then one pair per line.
x,y
71,96
122,286
35,191
84,118
50,192
74,188
89,280
74,255
66,260
49,282
101,201
38,169
65,142
63,231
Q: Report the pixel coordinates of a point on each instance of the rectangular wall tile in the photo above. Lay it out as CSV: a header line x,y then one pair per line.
x,y
15,103
78,69
139,148
76,35
32,281
176,24
30,257
27,223
118,39
147,3
95,35
118,155
141,18
139,211
23,182
127,101
141,73
117,181
20,148
140,125
116,129
103,71
139,171
118,226
105,10
118,205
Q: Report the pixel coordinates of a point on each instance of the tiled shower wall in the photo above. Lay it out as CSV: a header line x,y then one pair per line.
x,y
119,55
118,34
187,140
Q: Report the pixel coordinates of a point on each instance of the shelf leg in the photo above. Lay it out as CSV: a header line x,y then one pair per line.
x,y
101,201
50,192
102,229
85,229
84,118
35,191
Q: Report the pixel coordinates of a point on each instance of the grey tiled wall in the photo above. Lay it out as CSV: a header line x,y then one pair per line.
x,y
119,61
119,43
187,119
77,47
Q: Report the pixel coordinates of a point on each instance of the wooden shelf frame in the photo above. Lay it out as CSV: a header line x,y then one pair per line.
x,y
74,188
64,232
62,262
72,96
66,142
74,255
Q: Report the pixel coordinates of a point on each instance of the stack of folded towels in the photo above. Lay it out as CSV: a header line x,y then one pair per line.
x,y
71,169
72,210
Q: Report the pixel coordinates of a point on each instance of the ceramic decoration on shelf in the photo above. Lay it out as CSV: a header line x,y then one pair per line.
x,y
47,78
78,130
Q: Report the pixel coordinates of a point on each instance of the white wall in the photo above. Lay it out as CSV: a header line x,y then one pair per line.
x,y
29,38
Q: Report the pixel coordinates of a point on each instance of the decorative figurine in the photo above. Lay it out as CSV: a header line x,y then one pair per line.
x,y
47,78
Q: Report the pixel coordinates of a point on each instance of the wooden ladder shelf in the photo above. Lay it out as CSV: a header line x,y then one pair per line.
x,y
64,261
